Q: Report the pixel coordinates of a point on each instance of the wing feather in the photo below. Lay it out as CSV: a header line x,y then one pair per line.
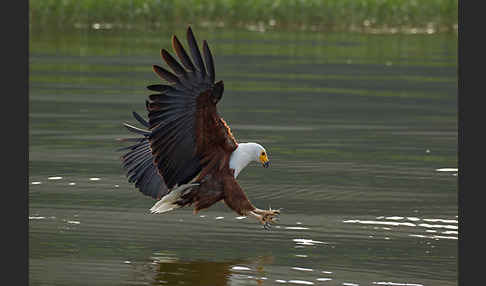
x,y
208,58
172,63
139,167
136,129
137,171
159,87
140,119
196,55
181,53
165,74
185,136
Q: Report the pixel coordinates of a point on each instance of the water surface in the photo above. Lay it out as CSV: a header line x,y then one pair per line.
x,y
361,131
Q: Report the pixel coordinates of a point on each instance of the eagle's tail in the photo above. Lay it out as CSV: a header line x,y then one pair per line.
x,y
169,201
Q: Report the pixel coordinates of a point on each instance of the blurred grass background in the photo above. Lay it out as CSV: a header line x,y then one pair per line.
x,y
413,16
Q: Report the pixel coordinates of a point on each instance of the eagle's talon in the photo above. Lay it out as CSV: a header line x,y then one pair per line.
x,y
266,217
267,226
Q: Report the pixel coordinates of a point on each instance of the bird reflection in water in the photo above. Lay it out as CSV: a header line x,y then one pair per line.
x,y
201,272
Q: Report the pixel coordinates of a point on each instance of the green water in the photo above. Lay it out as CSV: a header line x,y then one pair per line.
x,y
356,127
336,15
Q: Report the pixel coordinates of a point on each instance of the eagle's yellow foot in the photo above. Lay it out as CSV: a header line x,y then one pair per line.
x,y
266,217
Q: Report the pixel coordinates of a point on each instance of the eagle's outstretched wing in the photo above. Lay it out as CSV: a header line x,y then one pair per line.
x,y
185,136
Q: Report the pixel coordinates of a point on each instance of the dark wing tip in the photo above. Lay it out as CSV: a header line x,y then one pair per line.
x,y
194,49
136,129
189,29
159,87
140,119
171,62
208,58
181,53
165,74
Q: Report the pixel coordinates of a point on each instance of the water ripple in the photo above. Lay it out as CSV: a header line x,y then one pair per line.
x,y
380,222
302,269
296,227
303,241
54,178
240,268
450,225
301,282
438,226
433,236
396,284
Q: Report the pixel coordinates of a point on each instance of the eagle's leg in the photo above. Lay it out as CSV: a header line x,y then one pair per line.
x,y
266,217
237,200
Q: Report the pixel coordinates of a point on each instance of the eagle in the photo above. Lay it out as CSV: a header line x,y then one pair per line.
x,y
185,153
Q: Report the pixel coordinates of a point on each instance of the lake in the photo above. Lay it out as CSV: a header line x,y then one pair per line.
x,y
361,130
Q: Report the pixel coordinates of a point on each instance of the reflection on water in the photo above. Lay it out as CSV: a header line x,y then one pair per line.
x,y
169,270
361,130
195,273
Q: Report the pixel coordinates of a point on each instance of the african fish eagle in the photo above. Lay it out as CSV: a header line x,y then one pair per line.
x,y
186,154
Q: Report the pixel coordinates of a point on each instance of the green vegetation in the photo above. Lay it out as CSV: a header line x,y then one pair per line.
x,y
356,15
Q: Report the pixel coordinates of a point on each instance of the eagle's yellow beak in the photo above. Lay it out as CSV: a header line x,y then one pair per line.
x,y
264,160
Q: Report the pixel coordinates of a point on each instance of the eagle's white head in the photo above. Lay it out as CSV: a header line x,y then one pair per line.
x,y
247,152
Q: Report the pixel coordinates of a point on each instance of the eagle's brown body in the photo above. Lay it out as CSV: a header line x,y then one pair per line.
x,y
187,142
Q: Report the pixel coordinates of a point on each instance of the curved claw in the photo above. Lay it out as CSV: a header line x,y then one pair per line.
x,y
267,226
266,217
274,219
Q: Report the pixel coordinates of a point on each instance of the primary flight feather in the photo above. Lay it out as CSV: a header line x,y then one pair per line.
x,y
187,154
